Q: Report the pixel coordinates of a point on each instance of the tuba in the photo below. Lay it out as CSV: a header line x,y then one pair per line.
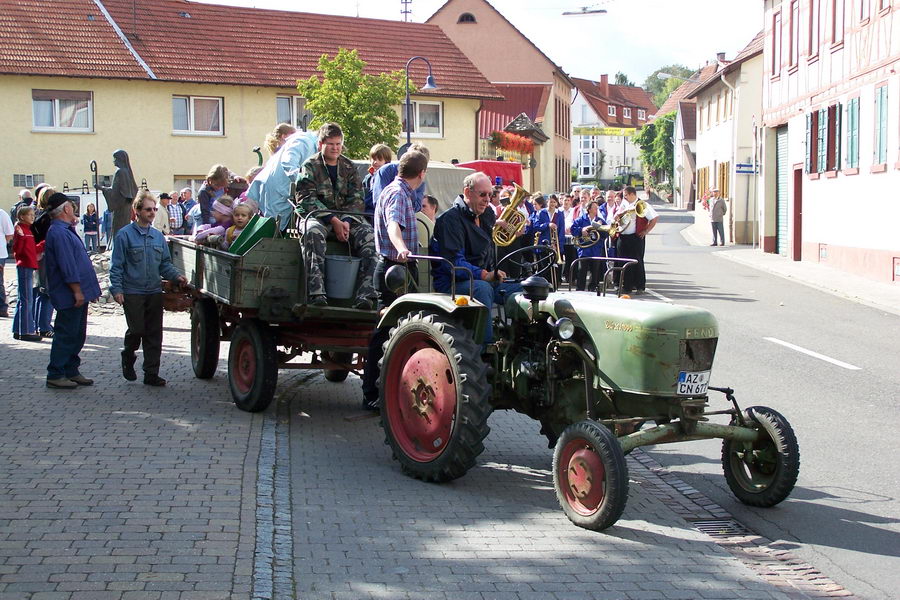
x,y
514,221
623,220
590,236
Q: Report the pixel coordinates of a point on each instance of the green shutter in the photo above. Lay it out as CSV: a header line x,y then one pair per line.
x,y
881,125
853,133
809,139
822,142
836,157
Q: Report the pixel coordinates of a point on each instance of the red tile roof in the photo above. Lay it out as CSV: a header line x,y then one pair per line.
x,y
71,38
752,49
208,43
688,110
705,74
620,96
530,99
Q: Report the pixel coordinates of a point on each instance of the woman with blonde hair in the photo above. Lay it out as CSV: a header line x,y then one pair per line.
x,y
276,138
214,186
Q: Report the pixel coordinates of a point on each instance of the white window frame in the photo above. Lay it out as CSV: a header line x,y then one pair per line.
x,y
642,114
298,110
587,142
611,111
587,166
56,128
190,130
626,113
415,110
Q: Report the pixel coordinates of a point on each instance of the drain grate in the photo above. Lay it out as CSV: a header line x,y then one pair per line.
x,y
720,528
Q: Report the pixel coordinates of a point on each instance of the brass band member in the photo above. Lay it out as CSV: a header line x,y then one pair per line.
x,y
632,241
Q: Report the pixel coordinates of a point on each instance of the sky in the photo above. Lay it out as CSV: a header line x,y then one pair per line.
x,y
634,36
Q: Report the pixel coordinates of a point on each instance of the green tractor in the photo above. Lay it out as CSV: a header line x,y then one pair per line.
x,y
603,375
625,176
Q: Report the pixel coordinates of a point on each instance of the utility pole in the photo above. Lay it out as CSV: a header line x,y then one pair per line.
x,y
405,10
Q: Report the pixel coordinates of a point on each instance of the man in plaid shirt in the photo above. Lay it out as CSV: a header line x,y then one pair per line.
x,y
396,237
176,216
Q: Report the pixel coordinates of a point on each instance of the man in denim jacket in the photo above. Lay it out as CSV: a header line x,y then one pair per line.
x,y
140,260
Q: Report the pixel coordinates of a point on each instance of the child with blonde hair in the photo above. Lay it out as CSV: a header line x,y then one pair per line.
x,y
221,212
241,216
214,186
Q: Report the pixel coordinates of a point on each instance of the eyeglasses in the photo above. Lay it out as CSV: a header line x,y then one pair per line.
x,y
482,194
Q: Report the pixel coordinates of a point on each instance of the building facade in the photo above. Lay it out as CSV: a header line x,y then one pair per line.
x,y
89,78
605,117
830,146
507,57
729,106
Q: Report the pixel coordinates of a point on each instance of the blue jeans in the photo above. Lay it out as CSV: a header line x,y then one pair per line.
x,y
68,340
91,243
4,307
23,321
42,311
489,295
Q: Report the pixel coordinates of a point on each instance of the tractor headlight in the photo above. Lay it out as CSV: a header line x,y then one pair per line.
x,y
565,328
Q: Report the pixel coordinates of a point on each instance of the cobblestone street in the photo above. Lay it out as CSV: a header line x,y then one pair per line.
x,y
121,490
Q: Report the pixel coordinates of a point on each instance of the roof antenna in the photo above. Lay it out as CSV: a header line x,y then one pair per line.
x,y
405,10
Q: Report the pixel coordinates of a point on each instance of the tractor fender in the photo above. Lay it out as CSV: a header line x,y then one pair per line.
x,y
473,316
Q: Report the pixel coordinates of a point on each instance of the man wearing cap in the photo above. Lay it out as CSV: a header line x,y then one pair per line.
x,y
717,210
72,283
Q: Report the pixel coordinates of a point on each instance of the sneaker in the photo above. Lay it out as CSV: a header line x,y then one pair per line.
x,y
371,404
318,300
81,380
47,334
154,380
364,304
128,369
62,384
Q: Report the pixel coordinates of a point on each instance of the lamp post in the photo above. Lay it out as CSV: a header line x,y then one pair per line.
x,y
429,85
670,76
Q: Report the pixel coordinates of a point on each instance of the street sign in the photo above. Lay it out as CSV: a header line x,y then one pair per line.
x,y
613,131
744,169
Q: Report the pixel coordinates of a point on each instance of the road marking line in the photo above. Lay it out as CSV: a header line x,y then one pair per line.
x,y
660,296
833,361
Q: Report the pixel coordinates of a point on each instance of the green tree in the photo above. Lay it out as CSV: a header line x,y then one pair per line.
x,y
660,89
363,105
655,142
622,79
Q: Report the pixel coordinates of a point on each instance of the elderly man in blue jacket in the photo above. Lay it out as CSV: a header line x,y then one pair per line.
x,y
140,261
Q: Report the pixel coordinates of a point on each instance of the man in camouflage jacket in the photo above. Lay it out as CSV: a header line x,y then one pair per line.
x,y
329,181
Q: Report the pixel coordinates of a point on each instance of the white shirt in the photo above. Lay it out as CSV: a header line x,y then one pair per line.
x,y
161,219
6,228
650,214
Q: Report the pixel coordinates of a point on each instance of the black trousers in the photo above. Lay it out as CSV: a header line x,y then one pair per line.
x,y
581,273
632,246
144,316
376,349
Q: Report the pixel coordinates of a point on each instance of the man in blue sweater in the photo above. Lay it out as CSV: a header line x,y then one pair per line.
x,y
140,261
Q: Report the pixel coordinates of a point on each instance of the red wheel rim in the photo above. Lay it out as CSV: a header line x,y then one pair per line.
x,y
244,368
582,477
420,397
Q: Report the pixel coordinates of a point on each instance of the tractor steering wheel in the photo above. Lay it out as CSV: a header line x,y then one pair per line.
x,y
541,260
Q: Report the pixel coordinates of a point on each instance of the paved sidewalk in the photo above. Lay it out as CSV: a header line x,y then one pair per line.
x,y
883,296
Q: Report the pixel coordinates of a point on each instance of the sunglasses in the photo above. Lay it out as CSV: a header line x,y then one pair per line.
x,y
483,194
152,208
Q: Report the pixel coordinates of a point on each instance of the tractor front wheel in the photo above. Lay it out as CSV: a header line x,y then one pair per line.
x,y
434,397
590,475
762,473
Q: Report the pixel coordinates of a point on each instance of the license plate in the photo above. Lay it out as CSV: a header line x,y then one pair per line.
x,y
692,383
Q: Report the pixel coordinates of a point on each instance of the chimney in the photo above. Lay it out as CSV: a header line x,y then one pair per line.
x,y
720,56
604,85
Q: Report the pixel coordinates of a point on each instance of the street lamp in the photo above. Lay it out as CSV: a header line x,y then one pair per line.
x,y
429,85
670,76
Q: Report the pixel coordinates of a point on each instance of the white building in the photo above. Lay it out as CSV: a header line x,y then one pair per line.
x,y
831,109
605,117
729,106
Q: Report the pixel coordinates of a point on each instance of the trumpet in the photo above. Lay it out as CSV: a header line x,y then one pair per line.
x,y
513,220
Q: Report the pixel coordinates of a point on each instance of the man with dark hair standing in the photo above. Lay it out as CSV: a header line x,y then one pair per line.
x,y
72,284
140,260
396,237
329,181
632,241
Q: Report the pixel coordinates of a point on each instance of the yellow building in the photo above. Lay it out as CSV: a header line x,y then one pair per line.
x,y
174,87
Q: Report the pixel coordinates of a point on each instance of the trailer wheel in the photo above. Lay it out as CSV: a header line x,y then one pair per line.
x,y
204,338
435,397
590,475
763,473
252,365
338,375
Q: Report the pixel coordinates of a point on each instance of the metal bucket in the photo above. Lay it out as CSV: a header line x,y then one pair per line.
x,y
340,276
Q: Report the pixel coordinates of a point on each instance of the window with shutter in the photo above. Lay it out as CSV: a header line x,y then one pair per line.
x,y
821,140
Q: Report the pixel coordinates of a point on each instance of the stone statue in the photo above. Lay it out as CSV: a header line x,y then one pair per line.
x,y
122,192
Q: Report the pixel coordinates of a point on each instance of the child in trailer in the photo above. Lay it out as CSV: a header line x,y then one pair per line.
x,y
220,211
241,215
26,254
214,187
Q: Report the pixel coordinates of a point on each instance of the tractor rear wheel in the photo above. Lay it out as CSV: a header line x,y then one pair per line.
x,y
204,337
435,397
590,475
252,365
762,473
